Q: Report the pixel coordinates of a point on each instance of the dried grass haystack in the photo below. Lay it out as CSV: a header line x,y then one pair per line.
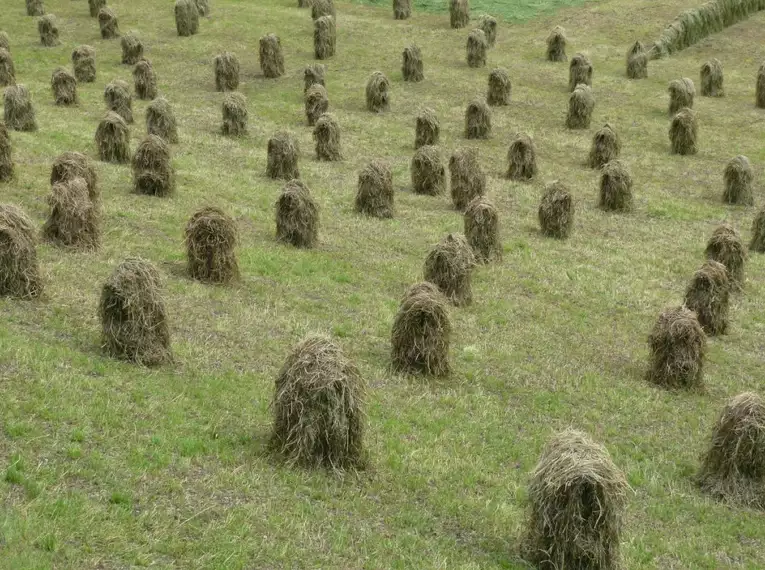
x,y
324,37
35,8
297,216
681,94
760,87
712,79
556,211
283,155
412,68
556,45
733,468
468,180
186,18
107,22
132,48
203,7
113,139
428,172
64,86
74,220
7,69
577,498
70,165
374,196
581,103
758,232
48,30
482,230
118,99
321,8
145,80
211,238
234,111
226,71
134,324
326,134
738,177
6,158
402,9
579,71
684,132
160,120
314,75
95,7
153,172
489,26
377,93
707,296
726,246
319,408
637,61
18,111
606,146
5,41
271,56
522,158
615,187
677,345
84,64
459,13
500,87
316,103
427,129
477,120
449,266
421,332
19,269
476,48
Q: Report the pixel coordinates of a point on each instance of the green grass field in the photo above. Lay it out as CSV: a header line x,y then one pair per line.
x,y
108,465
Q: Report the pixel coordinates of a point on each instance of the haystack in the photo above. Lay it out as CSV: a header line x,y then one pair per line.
x,y
421,332
74,220
522,158
326,134
468,180
297,216
427,129
18,111
374,196
14,217
226,71
576,506
132,49
760,88
606,146
5,41
64,87
48,30
459,13
95,7
203,7
70,165
476,49
316,103
118,99
19,269
477,120
758,232
681,94
580,106
579,71
7,69
556,45
377,93
637,62
318,408
35,8
428,172
677,345
271,56
489,26
412,68
683,132
107,22
556,211
738,178
134,323
324,37
283,155
733,467
6,158
321,8
615,187
712,79
84,64
234,111
449,266
402,9
186,18
145,80
153,172
211,239
160,120
482,230
707,295
313,75
726,246
500,87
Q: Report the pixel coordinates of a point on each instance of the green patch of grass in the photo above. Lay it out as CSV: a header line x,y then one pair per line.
x,y
517,11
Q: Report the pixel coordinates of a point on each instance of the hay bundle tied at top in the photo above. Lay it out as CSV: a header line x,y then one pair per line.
x,y
412,67
427,129
482,230
119,100
74,220
271,56
498,93
377,93
324,37
579,71
153,172
186,18
84,64
677,345
234,110
64,86
712,79
522,158
297,216
449,266
19,269
226,67
160,120
556,211
707,295
738,177
428,172
606,146
211,239
132,48
468,180
326,134
145,80
283,155
374,196
18,111
107,22
725,246
316,103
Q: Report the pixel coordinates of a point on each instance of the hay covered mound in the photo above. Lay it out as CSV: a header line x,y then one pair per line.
x,y
203,7
449,266
6,158
712,79
160,120
74,220
733,467
521,158
459,13
283,155
677,346
326,134
145,80
556,45
18,111
500,87
577,497
84,64
234,110
725,246
19,269
707,295
95,6
47,27
211,239
5,41
107,22
113,139
153,172
681,94
579,71
271,56
321,8
556,211
476,48
378,99
616,187
119,100
421,332
64,87
637,61
313,74
606,146
316,103
488,24
428,172
35,8
684,132
297,216
427,129
581,103
738,177
132,48
477,120
226,66
375,194
134,323
69,165
402,9
7,69
186,18
324,37
758,232
468,180
318,408
412,67
482,230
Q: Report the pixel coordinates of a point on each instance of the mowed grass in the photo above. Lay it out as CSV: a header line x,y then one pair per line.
x,y
516,11
109,465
